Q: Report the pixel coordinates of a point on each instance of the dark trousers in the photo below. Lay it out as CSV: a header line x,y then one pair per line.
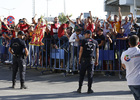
x,y
86,65
18,63
135,89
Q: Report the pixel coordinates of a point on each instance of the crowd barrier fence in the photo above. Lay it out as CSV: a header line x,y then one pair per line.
x,y
66,57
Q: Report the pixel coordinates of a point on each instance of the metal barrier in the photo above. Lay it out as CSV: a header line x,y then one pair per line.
x,y
66,57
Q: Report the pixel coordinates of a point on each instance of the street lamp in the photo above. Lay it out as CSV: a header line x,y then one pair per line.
x,y
47,7
33,7
64,7
8,9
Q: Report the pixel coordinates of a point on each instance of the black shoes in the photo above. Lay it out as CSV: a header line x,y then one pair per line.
x,y
23,87
90,91
13,86
79,90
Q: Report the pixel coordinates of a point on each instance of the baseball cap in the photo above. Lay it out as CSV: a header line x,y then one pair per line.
x,y
21,33
88,32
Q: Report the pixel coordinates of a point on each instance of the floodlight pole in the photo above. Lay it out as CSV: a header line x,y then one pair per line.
x,y
64,7
135,9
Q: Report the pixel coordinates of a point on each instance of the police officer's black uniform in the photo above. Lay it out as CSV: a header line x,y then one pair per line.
x,y
18,46
87,61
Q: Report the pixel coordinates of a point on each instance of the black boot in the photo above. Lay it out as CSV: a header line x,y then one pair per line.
x,y
90,90
13,84
23,86
79,90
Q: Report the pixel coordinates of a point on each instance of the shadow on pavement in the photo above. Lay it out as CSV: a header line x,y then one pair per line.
x,y
33,75
63,95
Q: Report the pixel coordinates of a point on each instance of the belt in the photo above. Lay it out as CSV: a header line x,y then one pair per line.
x,y
15,55
91,58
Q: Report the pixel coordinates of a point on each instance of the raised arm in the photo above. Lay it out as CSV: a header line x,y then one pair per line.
x,y
34,22
131,17
108,19
103,25
80,16
90,16
96,20
70,20
120,14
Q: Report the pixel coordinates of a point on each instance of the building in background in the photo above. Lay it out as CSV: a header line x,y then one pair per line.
x,y
127,6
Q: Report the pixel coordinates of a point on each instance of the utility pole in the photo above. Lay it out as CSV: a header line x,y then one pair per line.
x,y
33,7
8,10
64,7
47,9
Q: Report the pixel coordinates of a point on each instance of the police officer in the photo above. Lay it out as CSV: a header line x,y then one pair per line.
x,y
87,60
19,50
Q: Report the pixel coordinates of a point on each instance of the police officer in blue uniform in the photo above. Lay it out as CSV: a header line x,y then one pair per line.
x,y
19,51
87,60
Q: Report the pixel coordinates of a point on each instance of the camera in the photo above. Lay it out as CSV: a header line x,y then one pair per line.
x,y
21,21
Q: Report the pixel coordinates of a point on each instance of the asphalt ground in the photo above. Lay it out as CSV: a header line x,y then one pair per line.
x,y
54,86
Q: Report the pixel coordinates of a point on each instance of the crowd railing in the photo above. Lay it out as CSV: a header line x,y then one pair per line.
x,y
65,58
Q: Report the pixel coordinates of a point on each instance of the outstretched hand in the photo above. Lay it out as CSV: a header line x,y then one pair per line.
x,y
119,9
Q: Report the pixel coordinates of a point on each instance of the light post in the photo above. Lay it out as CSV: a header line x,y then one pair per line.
x,y
47,7
64,7
33,7
8,9
135,9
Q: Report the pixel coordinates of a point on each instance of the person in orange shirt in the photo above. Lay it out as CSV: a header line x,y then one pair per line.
x,y
116,21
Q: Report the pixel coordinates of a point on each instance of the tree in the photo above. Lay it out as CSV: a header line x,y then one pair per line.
x,y
63,18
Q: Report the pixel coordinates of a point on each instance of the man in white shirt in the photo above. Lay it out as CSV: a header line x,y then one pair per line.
x,y
131,62
74,40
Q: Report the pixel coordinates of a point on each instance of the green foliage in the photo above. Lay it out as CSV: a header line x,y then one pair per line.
x,y
63,18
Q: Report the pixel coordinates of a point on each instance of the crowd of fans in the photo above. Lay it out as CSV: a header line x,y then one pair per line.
x,y
111,35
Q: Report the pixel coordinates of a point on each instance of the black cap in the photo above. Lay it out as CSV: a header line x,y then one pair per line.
x,y
21,33
88,32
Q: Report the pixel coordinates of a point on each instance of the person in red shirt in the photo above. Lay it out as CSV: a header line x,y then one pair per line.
x,y
23,25
54,31
5,27
62,34
89,25
5,33
62,29
55,26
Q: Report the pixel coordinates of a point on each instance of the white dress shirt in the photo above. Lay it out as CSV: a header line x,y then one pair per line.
x,y
73,37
